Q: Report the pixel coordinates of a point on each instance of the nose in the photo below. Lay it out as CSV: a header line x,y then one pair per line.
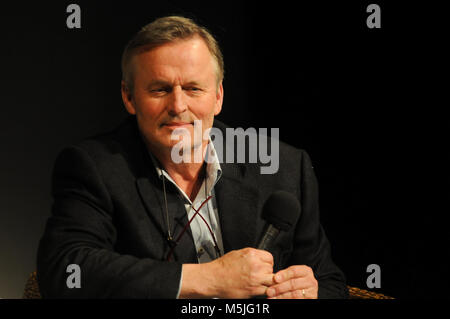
x,y
177,103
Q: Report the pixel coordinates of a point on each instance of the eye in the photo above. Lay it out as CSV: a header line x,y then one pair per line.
x,y
160,90
193,89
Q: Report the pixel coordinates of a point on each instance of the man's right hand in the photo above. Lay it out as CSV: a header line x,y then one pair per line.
x,y
240,273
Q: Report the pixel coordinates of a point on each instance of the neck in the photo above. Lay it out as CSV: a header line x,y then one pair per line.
x,y
188,176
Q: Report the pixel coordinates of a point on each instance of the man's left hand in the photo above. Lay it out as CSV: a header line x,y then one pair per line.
x,y
295,282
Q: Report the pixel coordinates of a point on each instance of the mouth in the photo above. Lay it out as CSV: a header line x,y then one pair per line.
x,y
174,125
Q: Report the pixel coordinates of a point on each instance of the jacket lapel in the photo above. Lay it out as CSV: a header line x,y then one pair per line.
x,y
147,181
238,208
153,198
150,190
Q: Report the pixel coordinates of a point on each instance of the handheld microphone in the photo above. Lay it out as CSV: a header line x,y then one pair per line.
x,y
281,211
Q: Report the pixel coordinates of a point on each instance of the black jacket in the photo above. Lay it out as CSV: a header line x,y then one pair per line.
x,y
108,218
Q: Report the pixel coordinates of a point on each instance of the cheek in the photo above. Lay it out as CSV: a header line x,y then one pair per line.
x,y
149,109
206,109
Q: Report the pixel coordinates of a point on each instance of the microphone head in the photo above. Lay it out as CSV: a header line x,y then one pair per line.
x,y
282,210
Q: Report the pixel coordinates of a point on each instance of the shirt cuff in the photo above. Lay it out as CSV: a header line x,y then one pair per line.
x,y
179,285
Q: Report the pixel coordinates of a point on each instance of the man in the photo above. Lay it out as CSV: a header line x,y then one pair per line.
x,y
141,225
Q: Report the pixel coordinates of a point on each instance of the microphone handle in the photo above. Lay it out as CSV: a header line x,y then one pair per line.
x,y
269,237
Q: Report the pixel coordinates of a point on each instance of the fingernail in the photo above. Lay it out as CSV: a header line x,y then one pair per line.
x,y
270,292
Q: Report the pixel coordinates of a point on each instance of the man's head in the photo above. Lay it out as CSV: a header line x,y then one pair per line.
x,y
166,30
172,73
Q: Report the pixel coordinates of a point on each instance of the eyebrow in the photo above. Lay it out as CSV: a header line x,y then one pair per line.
x,y
158,83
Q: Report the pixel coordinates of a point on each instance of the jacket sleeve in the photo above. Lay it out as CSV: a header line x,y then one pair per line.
x,y
81,231
311,246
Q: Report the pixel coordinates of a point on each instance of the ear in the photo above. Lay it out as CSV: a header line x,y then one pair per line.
x,y
219,99
127,98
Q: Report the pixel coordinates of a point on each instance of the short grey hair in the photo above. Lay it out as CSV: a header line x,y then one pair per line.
x,y
165,30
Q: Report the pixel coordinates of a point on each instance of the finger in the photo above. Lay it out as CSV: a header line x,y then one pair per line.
x,y
259,291
296,294
292,272
287,286
268,280
261,288
265,256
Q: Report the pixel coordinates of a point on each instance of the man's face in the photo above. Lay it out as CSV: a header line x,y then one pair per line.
x,y
174,84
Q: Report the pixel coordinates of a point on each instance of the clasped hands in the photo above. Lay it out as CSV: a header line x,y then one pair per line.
x,y
248,272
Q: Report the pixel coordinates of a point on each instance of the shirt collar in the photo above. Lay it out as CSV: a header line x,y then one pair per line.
x,y
213,169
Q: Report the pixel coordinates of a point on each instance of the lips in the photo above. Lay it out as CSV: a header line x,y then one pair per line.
x,y
177,124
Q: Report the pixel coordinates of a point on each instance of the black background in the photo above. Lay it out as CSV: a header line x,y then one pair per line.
x,y
368,106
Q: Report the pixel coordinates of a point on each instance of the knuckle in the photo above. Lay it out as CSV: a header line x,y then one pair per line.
x,y
266,253
291,272
250,252
301,270
277,290
255,267
293,284
253,277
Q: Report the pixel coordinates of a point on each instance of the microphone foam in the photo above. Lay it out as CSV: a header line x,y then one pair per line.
x,y
282,210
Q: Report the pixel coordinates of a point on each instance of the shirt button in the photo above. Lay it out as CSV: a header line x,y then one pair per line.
x,y
201,251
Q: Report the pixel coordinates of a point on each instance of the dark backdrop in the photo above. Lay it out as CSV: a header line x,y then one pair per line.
x,y
367,105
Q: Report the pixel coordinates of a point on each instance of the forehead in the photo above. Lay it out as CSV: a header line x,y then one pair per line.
x,y
182,58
